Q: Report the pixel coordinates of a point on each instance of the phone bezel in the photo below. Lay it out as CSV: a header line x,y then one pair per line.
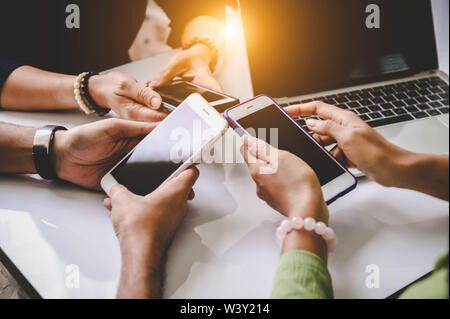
x,y
199,105
226,98
334,189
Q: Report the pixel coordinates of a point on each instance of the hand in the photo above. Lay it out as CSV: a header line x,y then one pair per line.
x,y
358,145
292,188
155,216
191,65
125,96
83,155
144,227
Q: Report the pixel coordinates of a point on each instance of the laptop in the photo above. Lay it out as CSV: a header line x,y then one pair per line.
x,y
382,66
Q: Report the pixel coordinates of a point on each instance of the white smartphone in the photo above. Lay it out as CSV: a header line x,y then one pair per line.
x,y
261,115
174,93
174,145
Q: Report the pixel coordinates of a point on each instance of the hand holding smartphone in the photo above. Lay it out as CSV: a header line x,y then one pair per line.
x,y
263,116
173,94
176,144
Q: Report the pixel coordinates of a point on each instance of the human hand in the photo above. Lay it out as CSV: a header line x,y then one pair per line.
x,y
191,65
154,217
292,188
358,145
84,154
125,96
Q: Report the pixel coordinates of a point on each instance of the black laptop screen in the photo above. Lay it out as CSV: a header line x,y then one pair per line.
x,y
297,47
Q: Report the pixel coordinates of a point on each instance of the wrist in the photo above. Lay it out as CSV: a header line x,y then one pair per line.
x,y
307,241
97,90
135,246
309,204
59,152
201,52
403,167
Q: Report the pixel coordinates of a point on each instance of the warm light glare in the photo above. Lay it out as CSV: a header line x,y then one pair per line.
x,y
230,30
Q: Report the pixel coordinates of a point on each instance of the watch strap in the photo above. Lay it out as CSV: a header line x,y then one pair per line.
x,y
42,151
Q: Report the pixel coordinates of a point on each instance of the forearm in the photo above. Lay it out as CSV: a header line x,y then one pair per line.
x,y
16,149
428,174
31,89
141,272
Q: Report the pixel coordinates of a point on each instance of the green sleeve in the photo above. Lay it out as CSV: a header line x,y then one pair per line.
x,y
302,275
434,287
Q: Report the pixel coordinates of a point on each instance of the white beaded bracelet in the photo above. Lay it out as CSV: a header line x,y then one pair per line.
x,y
77,91
309,224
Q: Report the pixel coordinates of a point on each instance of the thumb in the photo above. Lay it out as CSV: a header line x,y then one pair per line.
x,y
144,95
326,128
184,182
120,194
172,70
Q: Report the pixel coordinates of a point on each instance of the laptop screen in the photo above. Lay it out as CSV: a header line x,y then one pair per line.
x,y
297,47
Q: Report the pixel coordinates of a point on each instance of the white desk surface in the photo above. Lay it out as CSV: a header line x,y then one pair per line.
x,y
225,248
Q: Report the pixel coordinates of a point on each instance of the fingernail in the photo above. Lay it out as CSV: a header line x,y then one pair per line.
x,y
156,102
311,123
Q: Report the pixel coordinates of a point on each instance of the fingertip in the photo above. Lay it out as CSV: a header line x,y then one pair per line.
x,y
155,102
107,203
311,123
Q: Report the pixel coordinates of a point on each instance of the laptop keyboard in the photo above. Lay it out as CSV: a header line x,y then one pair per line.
x,y
390,104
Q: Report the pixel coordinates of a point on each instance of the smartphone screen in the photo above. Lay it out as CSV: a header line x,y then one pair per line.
x,y
293,139
176,93
164,151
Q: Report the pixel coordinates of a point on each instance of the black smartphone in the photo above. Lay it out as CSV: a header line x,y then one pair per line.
x,y
176,92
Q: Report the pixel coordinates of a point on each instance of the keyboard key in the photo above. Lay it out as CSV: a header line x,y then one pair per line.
x,y
444,102
435,90
400,111
444,110
353,97
444,96
390,120
412,109
424,92
390,98
433,97
375,115
411,87
410,102
435,104
387,106
366,102
301,121
400,96
377,100
365,117
353,104
362,110
424,106
342,106
422,99
399,103
342,99
329,101
388,91
434,112
365,95
412,93
374,108
387,113
420,115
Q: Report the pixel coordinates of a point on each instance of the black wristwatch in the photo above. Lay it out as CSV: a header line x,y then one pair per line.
x,y
42,151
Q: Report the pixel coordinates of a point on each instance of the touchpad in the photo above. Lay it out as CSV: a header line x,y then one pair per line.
x,y
430,136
